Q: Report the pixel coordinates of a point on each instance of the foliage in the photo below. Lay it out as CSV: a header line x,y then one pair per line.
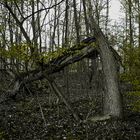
x,y
21,52
135,100
16,51
136,105
132,66
132,73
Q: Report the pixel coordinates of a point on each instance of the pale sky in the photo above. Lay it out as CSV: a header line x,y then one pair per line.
x,y
115,12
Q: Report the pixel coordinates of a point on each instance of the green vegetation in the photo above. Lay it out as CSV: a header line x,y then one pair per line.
x,y
132,74
21,52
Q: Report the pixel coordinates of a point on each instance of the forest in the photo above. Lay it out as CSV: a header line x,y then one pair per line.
x,y
68,71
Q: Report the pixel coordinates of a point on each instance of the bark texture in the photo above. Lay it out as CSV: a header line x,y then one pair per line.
x,y
112,102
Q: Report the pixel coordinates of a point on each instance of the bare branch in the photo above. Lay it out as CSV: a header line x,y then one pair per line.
x,y
47,8
18,23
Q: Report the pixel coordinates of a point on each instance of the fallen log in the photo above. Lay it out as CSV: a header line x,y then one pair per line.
x,y
71,55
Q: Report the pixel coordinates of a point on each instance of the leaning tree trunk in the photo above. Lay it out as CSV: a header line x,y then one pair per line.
x,y
112,102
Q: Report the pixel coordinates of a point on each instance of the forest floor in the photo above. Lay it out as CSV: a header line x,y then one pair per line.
x,y
23,120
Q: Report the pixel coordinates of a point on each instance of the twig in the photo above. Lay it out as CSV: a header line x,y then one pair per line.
x,y
42,114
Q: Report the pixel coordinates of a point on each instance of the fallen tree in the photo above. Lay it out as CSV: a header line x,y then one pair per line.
x,y
86,49
112,103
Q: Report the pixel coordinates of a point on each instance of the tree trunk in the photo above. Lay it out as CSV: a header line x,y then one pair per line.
x,y
85,17
107,15
112,102
139,22
130,23
76,21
